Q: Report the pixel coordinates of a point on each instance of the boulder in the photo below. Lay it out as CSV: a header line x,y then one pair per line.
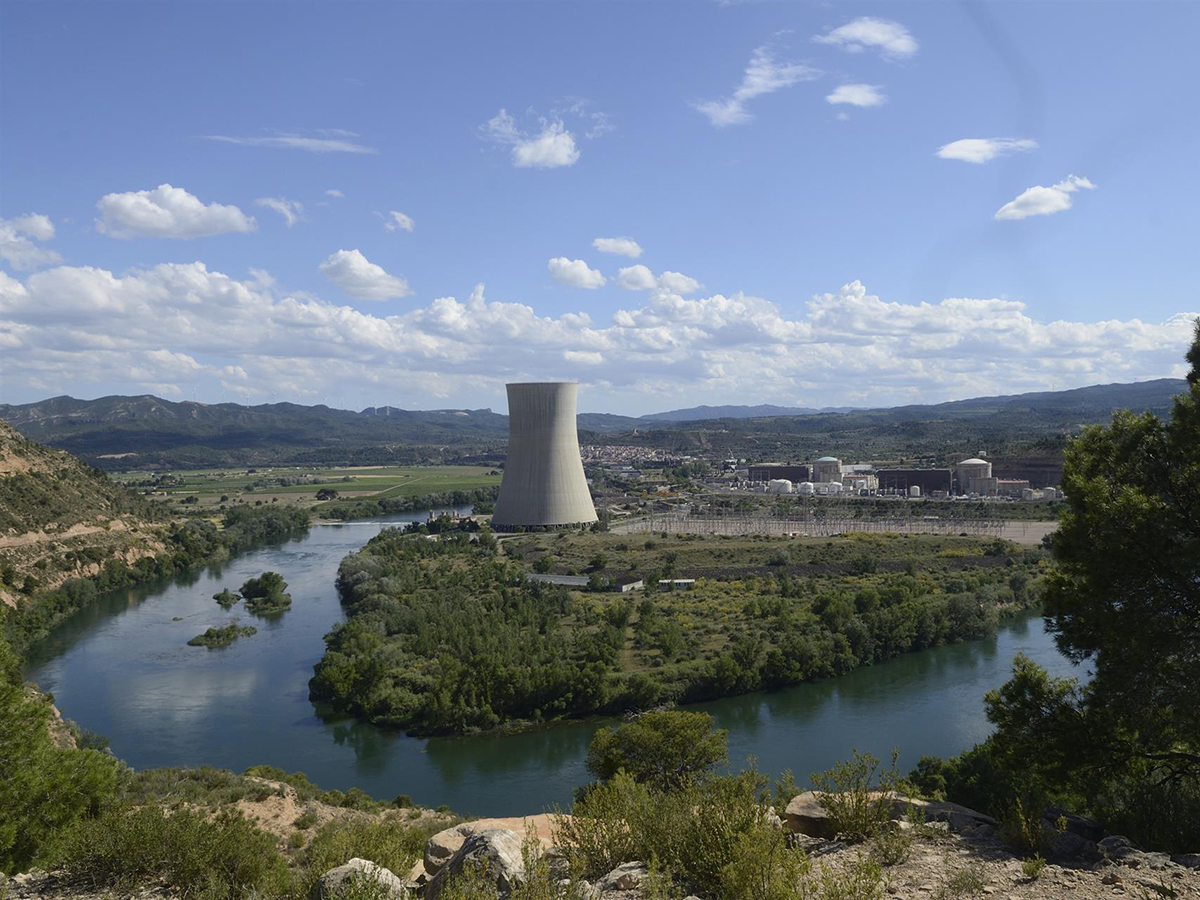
x,y
1076,824
337,882
1187,860
1117,846
496,851
1069,847
625,877
806,815
442,846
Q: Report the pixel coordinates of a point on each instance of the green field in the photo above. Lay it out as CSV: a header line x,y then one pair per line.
x,y
299,485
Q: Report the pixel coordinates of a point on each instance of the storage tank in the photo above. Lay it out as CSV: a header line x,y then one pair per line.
x,y
779,486
914,490
543,480
807,488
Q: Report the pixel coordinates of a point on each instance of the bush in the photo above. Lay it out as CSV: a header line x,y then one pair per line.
x,y
858,804
215,858
387,843
663,749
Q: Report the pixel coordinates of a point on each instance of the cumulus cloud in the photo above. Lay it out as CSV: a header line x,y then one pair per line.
x,y
981,150
574,272
891,39
361,278
331,140
1043,201
291,210
640,278
622,246
857,95
763,75
17,236
72,329
550,148
397,220
168,212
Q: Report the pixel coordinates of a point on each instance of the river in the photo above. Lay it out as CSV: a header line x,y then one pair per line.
x,y
123,668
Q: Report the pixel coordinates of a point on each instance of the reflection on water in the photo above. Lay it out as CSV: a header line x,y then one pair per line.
x,y
122,668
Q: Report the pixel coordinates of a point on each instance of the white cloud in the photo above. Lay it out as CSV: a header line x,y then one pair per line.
x,y
291,210
1043,201
574,272
640,278
361,278
398,220
550,148
763,75
636,278
891,39
334,140
80,329
622,246
981,150
857,95
334,192
17,236
169,212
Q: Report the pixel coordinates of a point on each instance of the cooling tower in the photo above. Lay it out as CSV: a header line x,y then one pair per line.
x,y
543,476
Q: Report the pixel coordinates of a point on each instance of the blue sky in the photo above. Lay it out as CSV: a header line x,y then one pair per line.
x,y
793,249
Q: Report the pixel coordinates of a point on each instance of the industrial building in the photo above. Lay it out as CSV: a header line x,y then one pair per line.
x,y
929,482
827,469
772,471
543,482
974,476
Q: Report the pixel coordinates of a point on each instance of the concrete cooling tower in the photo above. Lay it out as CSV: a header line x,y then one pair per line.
x,y
543,477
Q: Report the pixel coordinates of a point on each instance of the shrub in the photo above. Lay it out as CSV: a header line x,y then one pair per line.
x,y
664,749
859,804
891,846
1021,826
215,858
763,867
387,843
1032,867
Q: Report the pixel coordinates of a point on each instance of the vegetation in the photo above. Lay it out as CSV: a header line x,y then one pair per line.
x,y
181,545
266,595
214,638
857,797
449,636
1124,597
226,598
662,749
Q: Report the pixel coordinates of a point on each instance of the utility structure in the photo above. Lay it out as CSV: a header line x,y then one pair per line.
x,y
543,482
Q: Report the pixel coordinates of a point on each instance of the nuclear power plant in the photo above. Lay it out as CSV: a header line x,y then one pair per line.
x,y
543,482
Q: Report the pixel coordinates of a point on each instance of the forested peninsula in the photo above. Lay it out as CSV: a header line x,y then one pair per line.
x,y
450,636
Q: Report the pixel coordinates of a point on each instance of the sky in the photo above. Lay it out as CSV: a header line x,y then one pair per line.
x,y
673,203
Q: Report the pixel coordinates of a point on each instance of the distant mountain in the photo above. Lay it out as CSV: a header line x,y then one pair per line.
x,y
762,411
145,431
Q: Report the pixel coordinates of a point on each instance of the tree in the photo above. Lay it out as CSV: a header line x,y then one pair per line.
x,y
268,584
663,749
1125,595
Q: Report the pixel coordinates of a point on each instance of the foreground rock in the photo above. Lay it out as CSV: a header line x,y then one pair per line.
x,y
495,852
342,881
440,848
805,814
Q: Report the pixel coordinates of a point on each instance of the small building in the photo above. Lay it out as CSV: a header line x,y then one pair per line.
x,y
827,469
1011,487
676,584
623,584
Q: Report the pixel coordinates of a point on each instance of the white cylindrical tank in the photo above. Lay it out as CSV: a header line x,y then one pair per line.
x,y
806,487
543,480
914,490
779,486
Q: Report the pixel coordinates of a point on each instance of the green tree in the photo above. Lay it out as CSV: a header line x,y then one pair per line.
x,y
1125,595
663,749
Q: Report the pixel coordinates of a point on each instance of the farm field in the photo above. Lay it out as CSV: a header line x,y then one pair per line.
x,y
299,485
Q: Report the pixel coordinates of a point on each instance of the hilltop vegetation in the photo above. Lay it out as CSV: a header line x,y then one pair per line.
x,y
450,636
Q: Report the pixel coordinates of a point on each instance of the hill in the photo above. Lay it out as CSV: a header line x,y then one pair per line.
x,y
149,432
60,518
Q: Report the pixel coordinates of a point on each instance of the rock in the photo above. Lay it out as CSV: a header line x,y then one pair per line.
x,y
335,882
1067,846
1111,878
1076,824
1117,846
443,845
806,815
1187,860
625,877
497,851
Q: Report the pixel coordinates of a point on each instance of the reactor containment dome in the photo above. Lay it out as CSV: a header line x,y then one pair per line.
x,y
543,482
